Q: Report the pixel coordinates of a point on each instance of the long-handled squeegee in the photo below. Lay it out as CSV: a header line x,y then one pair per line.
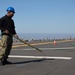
x,y
29,44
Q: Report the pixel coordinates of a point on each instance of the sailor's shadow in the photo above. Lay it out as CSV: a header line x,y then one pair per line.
x,y
31,61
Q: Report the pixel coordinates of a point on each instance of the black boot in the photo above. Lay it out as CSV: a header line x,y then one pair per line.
x,y
7,62
2,62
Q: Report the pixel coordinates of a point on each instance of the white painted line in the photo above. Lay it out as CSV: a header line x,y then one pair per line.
x,y
39,57
46,48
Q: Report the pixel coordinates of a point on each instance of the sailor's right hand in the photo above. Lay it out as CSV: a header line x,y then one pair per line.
x,y
6,31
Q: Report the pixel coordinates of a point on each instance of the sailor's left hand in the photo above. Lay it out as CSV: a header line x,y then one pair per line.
x,y
16,36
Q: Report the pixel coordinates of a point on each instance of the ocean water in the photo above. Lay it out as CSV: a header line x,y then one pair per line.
x,y
45,36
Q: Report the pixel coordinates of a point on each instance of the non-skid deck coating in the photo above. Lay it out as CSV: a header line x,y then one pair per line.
x,y
58,60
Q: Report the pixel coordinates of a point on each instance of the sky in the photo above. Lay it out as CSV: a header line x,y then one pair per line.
x,y
42,16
